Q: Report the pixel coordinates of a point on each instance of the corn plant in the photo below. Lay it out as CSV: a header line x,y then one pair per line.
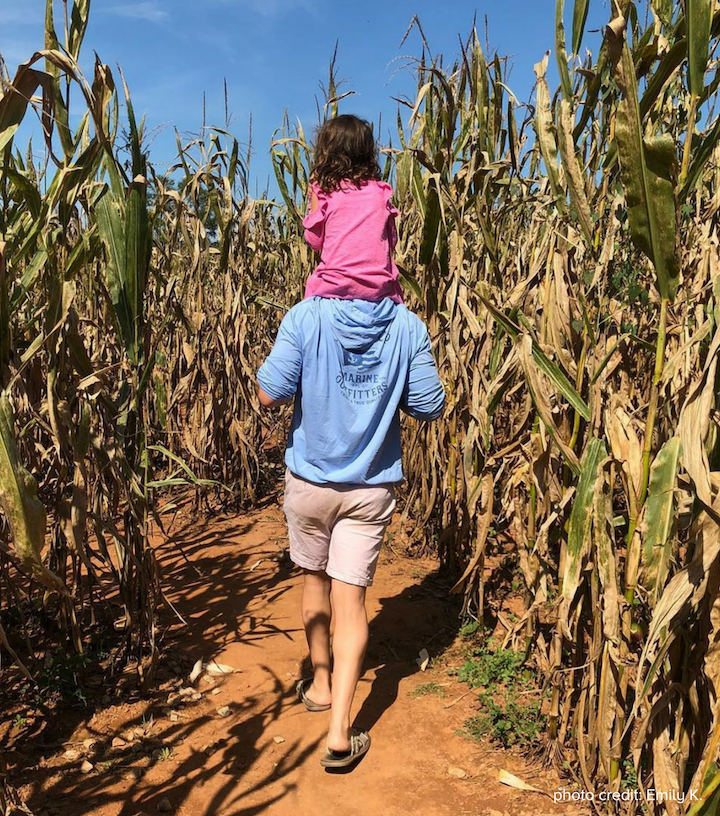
x,y
579,418
116,386
563,254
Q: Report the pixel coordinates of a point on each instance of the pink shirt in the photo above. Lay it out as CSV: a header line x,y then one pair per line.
x,y
354,231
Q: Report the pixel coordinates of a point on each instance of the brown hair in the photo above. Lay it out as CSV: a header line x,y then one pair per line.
x,y
345,150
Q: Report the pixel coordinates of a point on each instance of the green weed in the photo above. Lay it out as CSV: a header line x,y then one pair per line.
x,y
509,722
467,630
503,717
489,668
425,689
629,775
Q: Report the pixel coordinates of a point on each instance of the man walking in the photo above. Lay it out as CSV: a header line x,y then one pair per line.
x,y
351,365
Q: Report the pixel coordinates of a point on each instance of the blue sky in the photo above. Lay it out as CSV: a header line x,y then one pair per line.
x,y
273,54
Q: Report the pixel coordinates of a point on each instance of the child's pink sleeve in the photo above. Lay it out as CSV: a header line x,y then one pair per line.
x,y
314,222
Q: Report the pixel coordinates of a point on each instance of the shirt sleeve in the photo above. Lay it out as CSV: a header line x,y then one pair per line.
x,y
314,222
424,395
279,375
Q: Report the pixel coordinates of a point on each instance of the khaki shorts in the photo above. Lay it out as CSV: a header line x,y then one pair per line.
x,y
337,528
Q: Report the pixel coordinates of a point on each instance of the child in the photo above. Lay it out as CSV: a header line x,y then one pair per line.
x,y
351,221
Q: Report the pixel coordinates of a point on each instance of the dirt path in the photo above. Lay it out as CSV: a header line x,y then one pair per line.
x,y
173,753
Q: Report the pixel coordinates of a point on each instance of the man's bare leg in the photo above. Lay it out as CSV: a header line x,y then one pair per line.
x,y
350,641
316,615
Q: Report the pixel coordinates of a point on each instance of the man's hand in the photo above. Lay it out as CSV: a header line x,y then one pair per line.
x,y
268,402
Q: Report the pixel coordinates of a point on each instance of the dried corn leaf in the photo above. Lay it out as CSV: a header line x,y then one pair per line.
x,y
648,169
580,528
694,423
506,778
625,445
22,508
658,518
540,399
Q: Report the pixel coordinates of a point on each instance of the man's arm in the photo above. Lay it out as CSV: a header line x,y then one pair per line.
x,y
268,402
279,375
424,395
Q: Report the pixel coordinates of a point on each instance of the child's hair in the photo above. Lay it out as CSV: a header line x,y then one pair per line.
x,y
345,150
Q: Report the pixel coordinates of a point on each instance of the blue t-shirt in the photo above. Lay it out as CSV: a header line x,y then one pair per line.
x,y
352,364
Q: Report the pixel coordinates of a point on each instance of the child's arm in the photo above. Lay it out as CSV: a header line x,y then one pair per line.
x,y
392,217
314,221
313,200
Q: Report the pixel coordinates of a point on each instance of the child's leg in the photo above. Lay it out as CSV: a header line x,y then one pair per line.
x,y
350,641
316,614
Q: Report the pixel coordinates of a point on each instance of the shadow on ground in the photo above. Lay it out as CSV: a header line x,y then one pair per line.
x,y
210,578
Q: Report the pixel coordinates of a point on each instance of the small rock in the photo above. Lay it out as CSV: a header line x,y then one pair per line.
x,y
197,696
172,698
86,767
118,742
105,698
89,744
129,735
187,691
174,717
278,740
210,749
72,754
458,772
215,691
223,711
164,805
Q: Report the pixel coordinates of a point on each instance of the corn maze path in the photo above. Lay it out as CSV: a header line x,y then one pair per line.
x,y
172,751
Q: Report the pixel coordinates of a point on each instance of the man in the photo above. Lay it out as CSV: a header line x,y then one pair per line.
x,y
351,365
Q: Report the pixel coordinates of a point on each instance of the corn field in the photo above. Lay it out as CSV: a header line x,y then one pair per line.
x,y
564,254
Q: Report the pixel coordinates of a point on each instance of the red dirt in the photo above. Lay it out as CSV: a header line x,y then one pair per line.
x,y
241,598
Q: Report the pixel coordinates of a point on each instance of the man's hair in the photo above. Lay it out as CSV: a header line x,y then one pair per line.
x,y
345,150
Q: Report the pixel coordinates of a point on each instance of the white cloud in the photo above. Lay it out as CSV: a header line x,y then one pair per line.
x,y
271,8
149,10
31,13
22,30
16,51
